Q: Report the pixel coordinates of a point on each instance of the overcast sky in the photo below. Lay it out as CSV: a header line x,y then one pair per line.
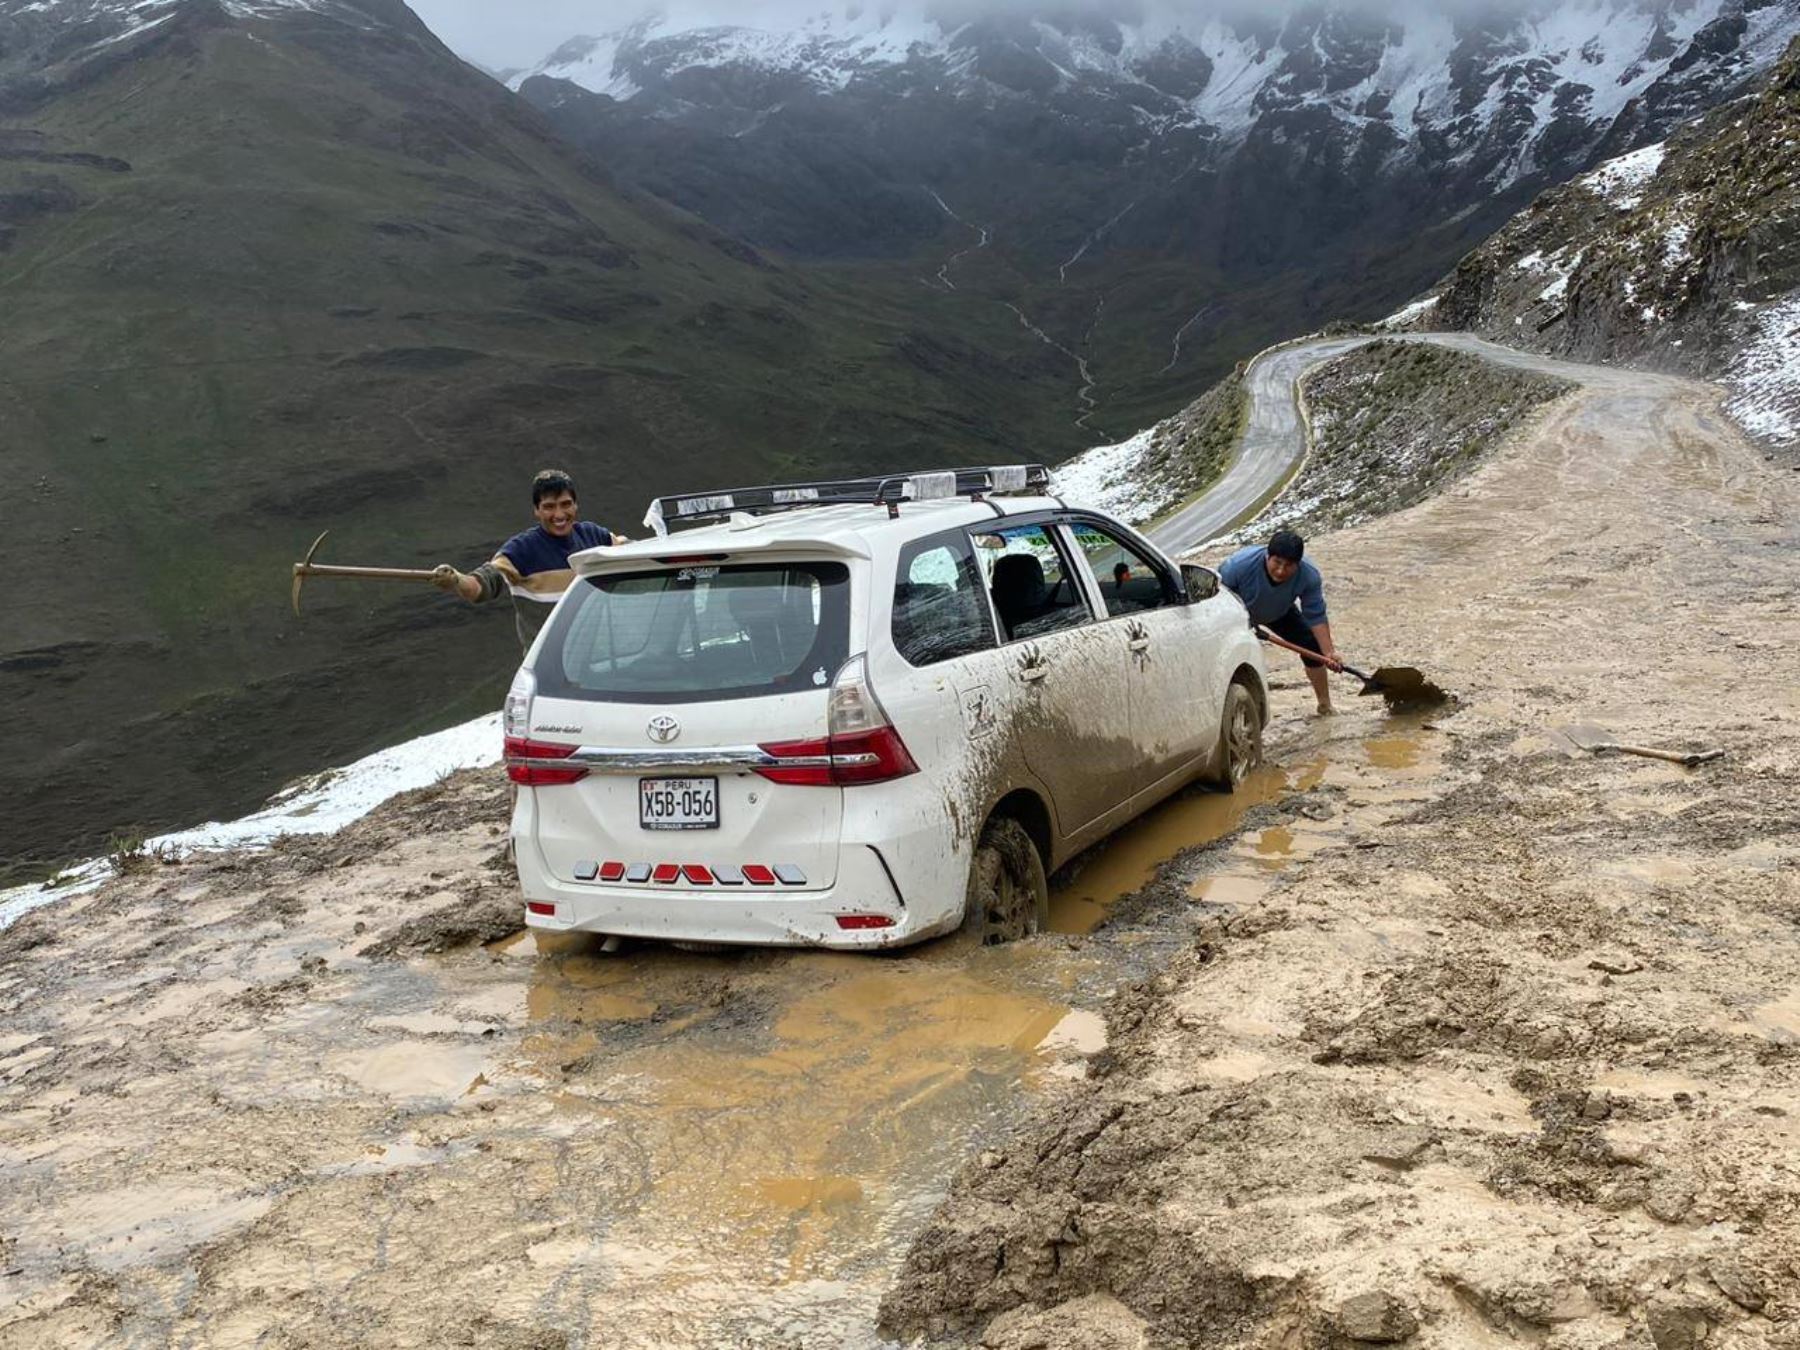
x,y
519,33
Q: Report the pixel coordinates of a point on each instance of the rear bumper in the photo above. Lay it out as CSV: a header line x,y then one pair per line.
x,y
771,918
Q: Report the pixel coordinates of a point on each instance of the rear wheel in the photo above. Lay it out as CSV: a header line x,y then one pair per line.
x,y
1009,895
1240,739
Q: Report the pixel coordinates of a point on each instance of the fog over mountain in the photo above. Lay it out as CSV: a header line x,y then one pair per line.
x,y
521,34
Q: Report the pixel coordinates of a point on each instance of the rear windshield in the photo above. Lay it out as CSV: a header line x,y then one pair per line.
x,y
699,633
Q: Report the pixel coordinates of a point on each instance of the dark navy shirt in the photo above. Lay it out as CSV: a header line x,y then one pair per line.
x,y
537,550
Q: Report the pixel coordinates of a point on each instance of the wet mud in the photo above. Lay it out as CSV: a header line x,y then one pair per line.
x,y
334,1094
1487,1040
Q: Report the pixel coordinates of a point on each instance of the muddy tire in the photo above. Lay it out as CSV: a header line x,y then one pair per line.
x,y
1009,895
1240,739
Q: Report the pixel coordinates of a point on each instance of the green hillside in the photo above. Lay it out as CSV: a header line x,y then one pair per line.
x,y
265,277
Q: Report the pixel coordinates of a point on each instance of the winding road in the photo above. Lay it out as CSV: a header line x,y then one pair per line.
x,y
1274,442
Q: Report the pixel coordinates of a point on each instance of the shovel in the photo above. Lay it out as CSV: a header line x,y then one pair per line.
x,y
1403,687
308,568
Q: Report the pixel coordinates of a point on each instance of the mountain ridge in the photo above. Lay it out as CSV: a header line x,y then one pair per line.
x,y
1159,201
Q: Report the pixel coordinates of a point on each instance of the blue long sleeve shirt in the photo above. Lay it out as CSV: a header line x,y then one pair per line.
x,y
1245,574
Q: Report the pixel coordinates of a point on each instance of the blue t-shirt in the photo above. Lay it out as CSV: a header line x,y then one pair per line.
x,y
537,550
1245,574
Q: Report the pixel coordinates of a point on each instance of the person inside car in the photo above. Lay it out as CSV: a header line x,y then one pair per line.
x,y
534,564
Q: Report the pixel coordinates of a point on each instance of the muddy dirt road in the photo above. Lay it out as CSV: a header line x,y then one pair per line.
x,y
242,1102
1518,1061
1450,1015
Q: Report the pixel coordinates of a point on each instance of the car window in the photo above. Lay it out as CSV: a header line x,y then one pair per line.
x,y
940,611
699,633
1034,592
1129,582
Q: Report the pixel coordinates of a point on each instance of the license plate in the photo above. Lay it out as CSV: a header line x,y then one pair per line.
x,y
678,803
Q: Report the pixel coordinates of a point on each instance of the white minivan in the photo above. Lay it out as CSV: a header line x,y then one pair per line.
x,y
860,714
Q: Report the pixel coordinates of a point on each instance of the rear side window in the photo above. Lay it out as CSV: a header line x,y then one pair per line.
x,y
1034,591
699,633
1129,581
940,610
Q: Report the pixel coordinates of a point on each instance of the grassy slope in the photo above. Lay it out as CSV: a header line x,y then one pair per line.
x,y
349,283
1394,423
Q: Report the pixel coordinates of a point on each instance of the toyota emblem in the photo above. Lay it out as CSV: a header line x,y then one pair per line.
x,y
664,729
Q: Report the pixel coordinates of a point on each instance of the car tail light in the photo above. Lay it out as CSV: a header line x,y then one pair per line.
x,y
523,764
861,746
515,713
540,907
852,922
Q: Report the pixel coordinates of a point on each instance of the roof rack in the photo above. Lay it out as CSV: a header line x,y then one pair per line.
x,y
888,490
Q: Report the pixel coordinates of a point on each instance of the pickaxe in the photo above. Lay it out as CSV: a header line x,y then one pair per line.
x,y
308,568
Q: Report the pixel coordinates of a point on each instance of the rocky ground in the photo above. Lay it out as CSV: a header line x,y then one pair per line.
x,y
1509,1057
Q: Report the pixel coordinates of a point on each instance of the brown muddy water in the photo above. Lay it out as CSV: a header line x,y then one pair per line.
x,y
650,1147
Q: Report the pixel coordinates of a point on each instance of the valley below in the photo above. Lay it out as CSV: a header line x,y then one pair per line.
x,y
1447,1031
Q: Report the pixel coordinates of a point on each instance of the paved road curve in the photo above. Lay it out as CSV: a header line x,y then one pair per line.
x,y
1274,442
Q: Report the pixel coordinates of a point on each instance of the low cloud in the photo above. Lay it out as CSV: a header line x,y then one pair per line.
x,y
523,32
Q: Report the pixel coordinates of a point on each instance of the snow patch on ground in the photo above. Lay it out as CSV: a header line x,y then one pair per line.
x,y
323,804
1675,242
1407,314
1109,478
1765,379
1622,181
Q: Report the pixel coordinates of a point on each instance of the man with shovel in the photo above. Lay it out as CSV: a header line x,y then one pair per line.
x,y
1285,594
533,564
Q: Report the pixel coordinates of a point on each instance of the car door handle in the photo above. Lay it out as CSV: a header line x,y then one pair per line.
x,y
1140,644
1032,674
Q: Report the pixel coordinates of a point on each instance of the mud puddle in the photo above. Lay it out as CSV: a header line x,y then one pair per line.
x,y
792,1119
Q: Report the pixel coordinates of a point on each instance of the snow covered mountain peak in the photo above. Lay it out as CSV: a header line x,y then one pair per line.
x,y
1516,85
52,45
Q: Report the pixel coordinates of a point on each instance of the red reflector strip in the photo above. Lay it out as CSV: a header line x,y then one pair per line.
x,y
612,871
758,875
539,907
666,874
696,874
853,921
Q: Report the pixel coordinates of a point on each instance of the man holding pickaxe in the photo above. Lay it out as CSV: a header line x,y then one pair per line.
x,y
533,564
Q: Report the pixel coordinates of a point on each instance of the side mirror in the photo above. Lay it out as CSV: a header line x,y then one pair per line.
x,y
1200,583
